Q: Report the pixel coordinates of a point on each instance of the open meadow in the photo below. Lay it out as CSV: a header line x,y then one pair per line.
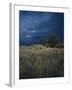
x,y
38,61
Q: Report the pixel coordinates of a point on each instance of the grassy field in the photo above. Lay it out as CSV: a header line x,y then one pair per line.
x,y
38,61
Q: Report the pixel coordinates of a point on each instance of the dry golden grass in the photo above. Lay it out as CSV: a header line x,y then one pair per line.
x,y
38,61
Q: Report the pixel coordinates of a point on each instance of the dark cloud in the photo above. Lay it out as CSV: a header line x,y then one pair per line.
x,y
35,25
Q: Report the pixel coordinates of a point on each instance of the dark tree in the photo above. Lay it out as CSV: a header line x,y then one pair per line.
x,y
53,39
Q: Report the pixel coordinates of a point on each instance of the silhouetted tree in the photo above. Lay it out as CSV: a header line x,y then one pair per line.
x,y
53,39
50,40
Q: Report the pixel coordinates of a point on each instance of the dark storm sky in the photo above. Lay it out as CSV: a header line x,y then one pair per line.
x,y
34,26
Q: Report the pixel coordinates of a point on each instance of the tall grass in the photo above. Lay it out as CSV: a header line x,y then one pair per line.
x,y
38,61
